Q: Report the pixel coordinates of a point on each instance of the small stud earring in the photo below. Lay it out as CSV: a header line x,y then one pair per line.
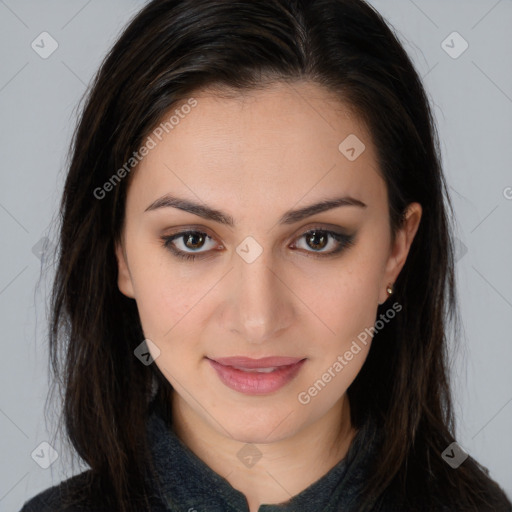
x,y
389,289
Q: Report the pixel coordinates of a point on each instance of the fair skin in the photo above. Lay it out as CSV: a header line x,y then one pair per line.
x,y
254,158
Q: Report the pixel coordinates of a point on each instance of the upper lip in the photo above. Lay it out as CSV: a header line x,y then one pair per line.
x,y
264,362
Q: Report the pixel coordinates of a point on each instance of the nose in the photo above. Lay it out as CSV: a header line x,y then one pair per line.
x,y
260,306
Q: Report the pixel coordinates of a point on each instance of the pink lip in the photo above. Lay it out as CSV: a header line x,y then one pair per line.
x,y
256,383
264,362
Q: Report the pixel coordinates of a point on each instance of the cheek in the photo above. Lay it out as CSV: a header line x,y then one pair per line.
x,y
348,307
345,296
165,291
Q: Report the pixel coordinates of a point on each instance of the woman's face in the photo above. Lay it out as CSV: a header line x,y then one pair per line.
x,y
263,274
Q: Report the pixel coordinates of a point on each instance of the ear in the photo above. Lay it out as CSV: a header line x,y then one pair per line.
x,y
400,249
124,278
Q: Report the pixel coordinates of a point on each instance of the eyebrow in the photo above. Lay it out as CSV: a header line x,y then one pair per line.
x,y
290,217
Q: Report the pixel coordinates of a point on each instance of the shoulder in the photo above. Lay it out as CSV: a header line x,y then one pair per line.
x,y
68,496
445,497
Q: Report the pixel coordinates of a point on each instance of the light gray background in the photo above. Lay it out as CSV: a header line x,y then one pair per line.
x,y
472,95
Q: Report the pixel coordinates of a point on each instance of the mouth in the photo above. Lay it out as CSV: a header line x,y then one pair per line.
x,y
256,376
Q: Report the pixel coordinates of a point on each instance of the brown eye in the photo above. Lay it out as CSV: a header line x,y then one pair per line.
x,y
316,240
194,240
187,244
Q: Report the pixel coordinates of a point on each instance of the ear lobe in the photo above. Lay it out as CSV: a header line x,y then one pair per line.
x,y
124,279
401,246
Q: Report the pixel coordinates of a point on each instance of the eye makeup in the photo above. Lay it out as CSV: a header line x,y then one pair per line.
x,y
313,236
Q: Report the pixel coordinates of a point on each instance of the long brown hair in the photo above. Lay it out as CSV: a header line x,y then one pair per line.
x,y
169,50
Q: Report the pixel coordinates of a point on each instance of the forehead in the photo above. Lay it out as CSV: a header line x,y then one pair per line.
x,y
281,143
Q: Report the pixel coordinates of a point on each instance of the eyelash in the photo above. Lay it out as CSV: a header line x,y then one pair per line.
x,y
344,242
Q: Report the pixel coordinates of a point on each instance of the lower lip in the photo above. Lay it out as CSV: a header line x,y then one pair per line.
x,y
256,383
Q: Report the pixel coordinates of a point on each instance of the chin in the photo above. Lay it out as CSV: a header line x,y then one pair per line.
x,y
259,429
257,436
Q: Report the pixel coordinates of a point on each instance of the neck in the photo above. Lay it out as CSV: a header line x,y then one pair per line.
x,y
286,467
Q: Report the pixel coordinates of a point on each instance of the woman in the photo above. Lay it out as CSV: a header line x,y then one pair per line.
x,y
256,271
